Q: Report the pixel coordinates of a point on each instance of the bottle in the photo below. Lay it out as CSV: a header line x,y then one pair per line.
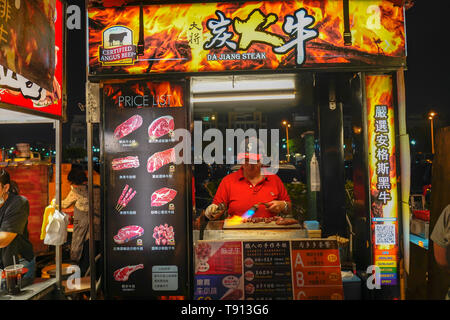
x,y
315,174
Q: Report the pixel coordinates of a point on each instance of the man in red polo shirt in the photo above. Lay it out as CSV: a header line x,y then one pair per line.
x,y
246,187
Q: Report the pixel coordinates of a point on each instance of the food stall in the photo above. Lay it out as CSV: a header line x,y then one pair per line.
x,y
296,69
31,93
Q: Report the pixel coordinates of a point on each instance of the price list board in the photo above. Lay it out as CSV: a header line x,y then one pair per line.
x,y
316,270
144,189
268,270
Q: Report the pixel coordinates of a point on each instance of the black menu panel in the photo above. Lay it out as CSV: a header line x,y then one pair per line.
x,y
145,191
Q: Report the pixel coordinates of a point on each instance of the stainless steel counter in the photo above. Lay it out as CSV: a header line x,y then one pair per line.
x,y
214,231
34,291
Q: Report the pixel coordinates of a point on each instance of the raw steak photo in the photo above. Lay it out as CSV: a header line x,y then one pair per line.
x,y
163,196
160,159
125,163
124,273
160,127
164,235
128,127
128,233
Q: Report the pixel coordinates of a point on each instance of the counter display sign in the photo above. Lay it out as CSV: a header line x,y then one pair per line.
x,y
258,35
383,176
316,270
268,270
218,271
145,191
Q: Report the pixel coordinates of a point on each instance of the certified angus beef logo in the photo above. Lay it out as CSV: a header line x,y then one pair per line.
x,y
118,47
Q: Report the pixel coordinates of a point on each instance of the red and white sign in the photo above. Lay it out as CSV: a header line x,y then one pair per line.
x,y
18,91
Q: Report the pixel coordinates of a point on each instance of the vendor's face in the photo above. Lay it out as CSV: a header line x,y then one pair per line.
x,y
252,169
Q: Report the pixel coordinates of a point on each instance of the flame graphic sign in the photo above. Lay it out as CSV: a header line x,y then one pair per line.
x,y
204,37
383,175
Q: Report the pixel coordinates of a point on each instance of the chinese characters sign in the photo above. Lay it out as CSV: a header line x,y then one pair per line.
x,y
268,270
27,39
383,177
17,90
255,35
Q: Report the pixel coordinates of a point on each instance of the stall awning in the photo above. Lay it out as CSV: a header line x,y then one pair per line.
x,y
10,117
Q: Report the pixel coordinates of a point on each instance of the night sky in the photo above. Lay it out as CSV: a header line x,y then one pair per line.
x,y
426,76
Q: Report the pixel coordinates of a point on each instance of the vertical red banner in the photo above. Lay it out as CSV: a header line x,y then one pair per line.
x,y
383,175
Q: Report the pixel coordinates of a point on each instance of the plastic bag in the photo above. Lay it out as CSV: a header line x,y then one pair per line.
x,y
56,231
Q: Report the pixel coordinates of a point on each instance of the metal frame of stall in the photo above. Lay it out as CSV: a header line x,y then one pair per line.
x,y
26,116
18,115
401,137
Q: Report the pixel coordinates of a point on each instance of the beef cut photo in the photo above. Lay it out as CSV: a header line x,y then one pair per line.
x,y
124,273
128,233
162,196
125,163
160,159
160,127
128,127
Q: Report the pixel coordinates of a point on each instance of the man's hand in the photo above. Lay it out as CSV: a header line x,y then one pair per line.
x,y
211,212
276,206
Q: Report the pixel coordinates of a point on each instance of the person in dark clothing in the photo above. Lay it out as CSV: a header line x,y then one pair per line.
x,y
15,245
78,196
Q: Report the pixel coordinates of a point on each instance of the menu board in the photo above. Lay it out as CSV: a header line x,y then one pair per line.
x,y
144,189
316,270
268,270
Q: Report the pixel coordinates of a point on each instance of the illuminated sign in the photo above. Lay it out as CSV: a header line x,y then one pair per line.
x,y
118,48
203,37
383,176
27,39
17,90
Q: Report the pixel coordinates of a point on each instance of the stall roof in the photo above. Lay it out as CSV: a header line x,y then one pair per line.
x,y
10,116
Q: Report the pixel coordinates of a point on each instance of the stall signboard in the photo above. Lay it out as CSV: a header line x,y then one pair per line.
x,y
268,270
27,39
383,176
259,35
144,190
18,89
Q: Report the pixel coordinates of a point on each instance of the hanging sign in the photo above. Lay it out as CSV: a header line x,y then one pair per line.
x,y
383,176
27,39
203,37
19,90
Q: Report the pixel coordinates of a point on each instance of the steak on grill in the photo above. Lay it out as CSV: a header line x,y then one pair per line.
x,y
125,163
160,159
160,127
163,196
128,127
128,233
124,273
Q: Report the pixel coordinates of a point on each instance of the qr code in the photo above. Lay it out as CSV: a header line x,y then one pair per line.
x,y
385,234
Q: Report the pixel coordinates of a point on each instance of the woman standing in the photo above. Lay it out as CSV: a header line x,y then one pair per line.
x,y
78,196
